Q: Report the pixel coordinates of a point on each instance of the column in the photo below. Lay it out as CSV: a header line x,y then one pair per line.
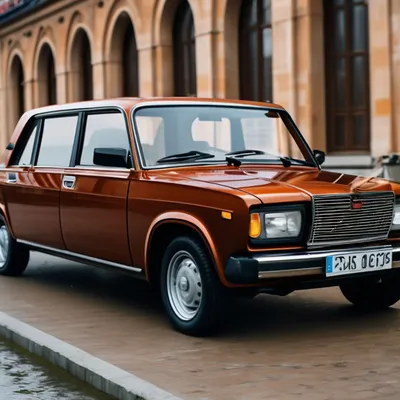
x,y
395,60
310,72
380,76
28,89
163,70
4,132
208,60
62,95
98,80
146,65
283,57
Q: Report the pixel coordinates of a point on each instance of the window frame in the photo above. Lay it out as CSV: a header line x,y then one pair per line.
x,y
38,141
331,56
80,139
263,80
184,48
79,134
297,135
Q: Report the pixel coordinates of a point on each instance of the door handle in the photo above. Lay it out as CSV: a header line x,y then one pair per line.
x,y
68,182
11,177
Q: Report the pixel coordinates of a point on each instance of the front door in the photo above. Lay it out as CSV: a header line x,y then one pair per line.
x,y
94,199
33,184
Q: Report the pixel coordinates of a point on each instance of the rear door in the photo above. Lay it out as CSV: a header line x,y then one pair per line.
x,y
17,185
33,193
93,204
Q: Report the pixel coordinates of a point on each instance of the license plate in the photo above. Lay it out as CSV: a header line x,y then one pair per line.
x,y
352,263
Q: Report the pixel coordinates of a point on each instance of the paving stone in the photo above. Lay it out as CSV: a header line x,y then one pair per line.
x,y
308,345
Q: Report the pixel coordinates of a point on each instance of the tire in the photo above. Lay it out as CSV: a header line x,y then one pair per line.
x,y
14,258
194,305
373,293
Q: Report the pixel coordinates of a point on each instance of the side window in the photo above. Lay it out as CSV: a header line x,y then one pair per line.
x,y
57,141
103,130
26,155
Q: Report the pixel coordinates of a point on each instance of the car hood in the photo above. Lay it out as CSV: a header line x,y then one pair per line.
x,y
279,184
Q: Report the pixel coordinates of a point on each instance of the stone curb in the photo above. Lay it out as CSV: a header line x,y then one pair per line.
x,y
104,376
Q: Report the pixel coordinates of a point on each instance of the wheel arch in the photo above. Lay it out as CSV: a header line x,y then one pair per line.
x,y
168,226
4,214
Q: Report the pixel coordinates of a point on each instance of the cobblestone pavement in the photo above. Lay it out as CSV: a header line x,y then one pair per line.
x,y
308,345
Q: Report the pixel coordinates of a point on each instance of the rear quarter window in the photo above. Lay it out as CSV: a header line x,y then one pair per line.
x,y
22,155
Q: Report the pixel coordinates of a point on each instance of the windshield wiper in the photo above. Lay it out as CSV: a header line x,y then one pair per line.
x,y
244,153
189,155
301,162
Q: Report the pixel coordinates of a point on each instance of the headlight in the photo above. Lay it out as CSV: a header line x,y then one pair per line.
x,y
396,218
281,225
276,225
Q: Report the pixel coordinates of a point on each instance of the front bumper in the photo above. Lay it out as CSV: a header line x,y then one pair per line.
x,y
257,268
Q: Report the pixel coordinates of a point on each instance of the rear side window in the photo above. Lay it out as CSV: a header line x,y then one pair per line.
x,y
103,131
57,141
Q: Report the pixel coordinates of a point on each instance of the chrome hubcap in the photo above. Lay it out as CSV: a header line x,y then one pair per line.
x,y
184,286
3,245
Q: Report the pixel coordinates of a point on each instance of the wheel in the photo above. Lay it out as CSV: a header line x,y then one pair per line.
x,y
14,257
192,295
373,293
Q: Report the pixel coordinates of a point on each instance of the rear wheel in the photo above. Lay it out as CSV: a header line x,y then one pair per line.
x,y
191,292
373,293
14,258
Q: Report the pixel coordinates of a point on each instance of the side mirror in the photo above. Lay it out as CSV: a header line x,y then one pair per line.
x,y
319,156
110,157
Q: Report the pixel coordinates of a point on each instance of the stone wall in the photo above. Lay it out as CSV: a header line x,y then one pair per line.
x,y
298,57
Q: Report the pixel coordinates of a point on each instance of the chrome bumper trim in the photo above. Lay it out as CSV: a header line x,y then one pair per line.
x,y
320,256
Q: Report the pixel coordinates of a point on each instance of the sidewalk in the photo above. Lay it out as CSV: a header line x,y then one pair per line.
x,y
306,346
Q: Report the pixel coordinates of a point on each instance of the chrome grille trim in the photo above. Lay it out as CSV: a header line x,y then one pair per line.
x,y
335,222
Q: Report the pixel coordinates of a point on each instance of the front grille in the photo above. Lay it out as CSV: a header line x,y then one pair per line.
x,y
336,221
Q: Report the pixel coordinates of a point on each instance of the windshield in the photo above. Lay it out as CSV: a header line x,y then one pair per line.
x,y
204,134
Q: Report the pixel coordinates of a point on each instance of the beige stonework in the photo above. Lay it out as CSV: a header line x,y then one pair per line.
x,y
298,57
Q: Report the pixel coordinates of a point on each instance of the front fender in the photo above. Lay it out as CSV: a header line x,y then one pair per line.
x,y
187,220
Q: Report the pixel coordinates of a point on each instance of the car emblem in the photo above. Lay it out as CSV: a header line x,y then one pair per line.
x,y
356,204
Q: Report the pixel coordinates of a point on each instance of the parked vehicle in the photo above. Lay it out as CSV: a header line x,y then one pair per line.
x,y
206,199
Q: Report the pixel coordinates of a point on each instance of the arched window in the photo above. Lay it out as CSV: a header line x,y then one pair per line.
x,y
81,67
17,99
123,68
255,50
347,75
130,67
47,77
184,43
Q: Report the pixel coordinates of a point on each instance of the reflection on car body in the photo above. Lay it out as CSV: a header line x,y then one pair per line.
x,y
206,199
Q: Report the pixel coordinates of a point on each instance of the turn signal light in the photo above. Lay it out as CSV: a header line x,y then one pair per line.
x,y
255,225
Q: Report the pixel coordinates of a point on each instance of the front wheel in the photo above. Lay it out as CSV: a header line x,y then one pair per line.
x,y
14,258
373,293
191,292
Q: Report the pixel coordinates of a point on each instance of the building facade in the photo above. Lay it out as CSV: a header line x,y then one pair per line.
x,y
334,64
